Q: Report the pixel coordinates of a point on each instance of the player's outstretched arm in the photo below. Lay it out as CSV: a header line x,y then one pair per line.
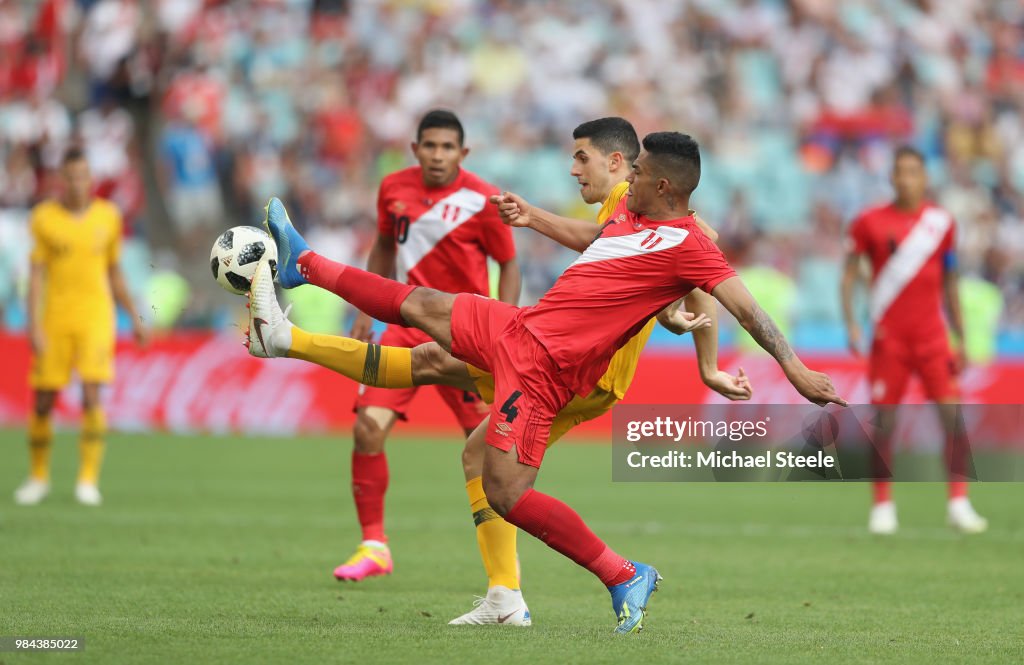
x,y
576,234
124,299
951,300
36,278
851,275
816,387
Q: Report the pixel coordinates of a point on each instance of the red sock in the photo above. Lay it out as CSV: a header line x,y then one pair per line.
x,y
379,297
564,531
957,455
369,483
883,491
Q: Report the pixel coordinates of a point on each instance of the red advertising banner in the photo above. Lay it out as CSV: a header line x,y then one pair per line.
x,y
208,383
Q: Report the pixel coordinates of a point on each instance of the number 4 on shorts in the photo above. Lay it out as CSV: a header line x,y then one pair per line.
x,y
508,407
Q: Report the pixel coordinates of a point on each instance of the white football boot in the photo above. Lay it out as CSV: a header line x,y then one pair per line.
x,y
31,492
962,517
270,332
88,494
883,521
501,606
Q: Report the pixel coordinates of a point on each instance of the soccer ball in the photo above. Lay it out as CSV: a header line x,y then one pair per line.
x,y
236,254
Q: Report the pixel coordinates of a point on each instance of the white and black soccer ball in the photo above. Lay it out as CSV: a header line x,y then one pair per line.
x,y
237,252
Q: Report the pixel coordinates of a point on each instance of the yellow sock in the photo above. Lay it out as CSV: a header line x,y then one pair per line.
x,y
40,446
369,364
90,446
496,538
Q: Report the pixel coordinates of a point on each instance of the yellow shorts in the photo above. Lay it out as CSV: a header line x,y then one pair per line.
x,y
580,409
89,352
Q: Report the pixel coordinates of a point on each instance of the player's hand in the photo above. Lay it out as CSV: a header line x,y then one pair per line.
x,y
854,339
140,333
816,387
706,228
959,359
362,328
736,388
682,322
513,209
37,340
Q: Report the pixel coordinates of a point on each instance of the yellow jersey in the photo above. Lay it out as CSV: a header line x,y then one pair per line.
x,y
623,364
76,252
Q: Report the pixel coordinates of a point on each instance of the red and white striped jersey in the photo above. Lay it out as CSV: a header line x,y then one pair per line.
x,y
443,235
909,252
634,269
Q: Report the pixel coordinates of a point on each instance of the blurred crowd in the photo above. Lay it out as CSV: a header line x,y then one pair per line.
x,y
193,112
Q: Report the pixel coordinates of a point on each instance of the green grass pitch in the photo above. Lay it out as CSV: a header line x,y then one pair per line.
x,y
220,550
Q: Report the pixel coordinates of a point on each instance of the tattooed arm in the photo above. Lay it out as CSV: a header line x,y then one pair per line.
x,y
814,386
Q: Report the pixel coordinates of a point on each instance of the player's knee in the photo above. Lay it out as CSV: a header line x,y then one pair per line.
x,y
428,363
424,306
472,460
90,397
367,435
502,493
44,403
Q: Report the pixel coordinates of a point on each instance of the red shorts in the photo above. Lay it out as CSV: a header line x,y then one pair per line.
x,y
468,408
528,394
894,359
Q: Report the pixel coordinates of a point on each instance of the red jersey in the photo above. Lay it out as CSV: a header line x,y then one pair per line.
x,y
445,234
909,253
634,269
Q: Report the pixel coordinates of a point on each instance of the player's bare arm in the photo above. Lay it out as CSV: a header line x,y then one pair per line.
x,y
510,282
816,387
35,294
380,262
705,340
951,301
851,275
124,301
576,234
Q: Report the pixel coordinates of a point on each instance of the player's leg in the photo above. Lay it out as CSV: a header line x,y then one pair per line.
x,y
936,368
91,446
503,604
888,373
383,299
40,448
96,367
272,335
960,513
527,399
50,371
509,486
369,485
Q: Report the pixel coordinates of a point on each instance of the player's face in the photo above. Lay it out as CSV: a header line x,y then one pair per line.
x,y
77,182
909,179
590,168
440,154
643,186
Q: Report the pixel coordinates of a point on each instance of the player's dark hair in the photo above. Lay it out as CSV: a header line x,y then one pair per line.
x,y
610,135
678,157
73,154
440,119
908,151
